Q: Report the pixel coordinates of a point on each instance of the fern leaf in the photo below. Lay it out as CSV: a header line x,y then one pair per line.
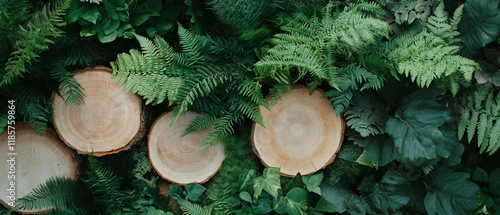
x,y
494,138
59,193
471,129
190,208
35,38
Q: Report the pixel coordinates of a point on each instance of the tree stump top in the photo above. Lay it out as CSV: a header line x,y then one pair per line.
x,y
38,158
303,133
179,159
109,120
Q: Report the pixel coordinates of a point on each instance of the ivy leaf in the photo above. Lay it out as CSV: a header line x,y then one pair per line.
x,y
246,196
449,192
336,197
379,151
296,203
479,24
418,132
312,182
391,194
269,181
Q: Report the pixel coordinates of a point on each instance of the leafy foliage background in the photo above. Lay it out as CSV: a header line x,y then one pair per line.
x,y
416,81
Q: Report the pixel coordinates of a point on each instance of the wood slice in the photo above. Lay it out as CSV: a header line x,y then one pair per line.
x,y
108,122
38,158
303,133
179,159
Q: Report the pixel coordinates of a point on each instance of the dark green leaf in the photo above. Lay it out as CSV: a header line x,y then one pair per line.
x,y
261,206
337,197
479,24
418,132
325,206
194,191
386,197
450,192
88,12
379,151
295,182
480,175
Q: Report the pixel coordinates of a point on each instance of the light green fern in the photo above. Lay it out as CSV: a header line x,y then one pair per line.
x,y
199,78
480,117
36,37
310,45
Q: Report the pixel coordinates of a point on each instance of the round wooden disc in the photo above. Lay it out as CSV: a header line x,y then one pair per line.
x,y
179,159
109,120
38,158
303,133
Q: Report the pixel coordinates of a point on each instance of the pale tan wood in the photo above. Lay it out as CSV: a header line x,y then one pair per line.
x,y
108,122
38,159
179,159
303,133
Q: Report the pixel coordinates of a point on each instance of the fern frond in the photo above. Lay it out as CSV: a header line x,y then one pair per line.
x,y
59,193
480,117
440,24
35,38
201,123
340,99
366,115
105,187
190,208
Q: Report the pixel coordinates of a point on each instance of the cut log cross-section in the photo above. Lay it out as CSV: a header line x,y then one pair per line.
x,y
179,159
37,159
109,120
303,133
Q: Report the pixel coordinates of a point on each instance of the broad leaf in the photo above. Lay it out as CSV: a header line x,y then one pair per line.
x,y
269,181
379,151
336,196
312,182
194,191
245,180
260,205
295,182
296,203
419,131
480,24
391,194
449,192
245,196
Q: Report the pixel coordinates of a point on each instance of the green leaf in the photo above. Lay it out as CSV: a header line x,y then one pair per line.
x,y
279,205
312,182
419,131
325,206
194,191
175,191
296,201
379,151
479,25
480,175
449,192
154,211
337,197
88,12
270,182
245,196
295,182
494,187
245,180
386,197
261,206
